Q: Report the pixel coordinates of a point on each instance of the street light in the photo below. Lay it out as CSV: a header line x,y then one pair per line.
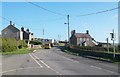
x,y
113,38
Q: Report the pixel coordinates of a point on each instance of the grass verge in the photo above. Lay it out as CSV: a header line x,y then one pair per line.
x,y
96,58
20,51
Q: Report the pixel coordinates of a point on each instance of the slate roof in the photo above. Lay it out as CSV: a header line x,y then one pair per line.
x,y
12,28
82,35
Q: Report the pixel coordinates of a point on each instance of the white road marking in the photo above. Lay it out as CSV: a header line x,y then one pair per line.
x,y
95,67
34,51
103,69
46,65
41,61
35,60
110,71
18,69
71,60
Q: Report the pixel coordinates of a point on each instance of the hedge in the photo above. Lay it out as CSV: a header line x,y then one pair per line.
x,y
95,48
95,54
10,44
35,42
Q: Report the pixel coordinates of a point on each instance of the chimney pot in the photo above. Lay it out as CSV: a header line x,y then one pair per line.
x,y
72,32
27,30
22,28
87,31
10,22
13,24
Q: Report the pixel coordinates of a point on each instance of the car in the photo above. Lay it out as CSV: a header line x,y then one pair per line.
x,y
47,46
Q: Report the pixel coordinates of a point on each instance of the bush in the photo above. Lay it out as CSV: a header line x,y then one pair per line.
x,y
10,44
35,42
22,44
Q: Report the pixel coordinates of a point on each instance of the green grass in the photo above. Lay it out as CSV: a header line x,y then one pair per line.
x,y
61,44
20,51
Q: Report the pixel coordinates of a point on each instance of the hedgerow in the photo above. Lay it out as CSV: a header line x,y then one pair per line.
x,y
10,44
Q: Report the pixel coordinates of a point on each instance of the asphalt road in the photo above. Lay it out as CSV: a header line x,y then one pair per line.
x,y
55,62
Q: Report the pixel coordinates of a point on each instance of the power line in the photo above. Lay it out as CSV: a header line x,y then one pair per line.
x,y
12,21
99,12
46,9
55,19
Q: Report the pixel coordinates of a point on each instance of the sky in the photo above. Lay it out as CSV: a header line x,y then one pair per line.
x,y
26,15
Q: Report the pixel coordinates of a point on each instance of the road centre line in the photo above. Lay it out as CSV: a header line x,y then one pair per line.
x,y
46,65
35,60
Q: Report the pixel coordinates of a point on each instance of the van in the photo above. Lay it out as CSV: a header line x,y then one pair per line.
x,y
47,46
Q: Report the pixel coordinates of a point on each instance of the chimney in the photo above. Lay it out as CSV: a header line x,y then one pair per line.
x,y
31,33
72,32
10,22
13,24
27,30
87,31
22,28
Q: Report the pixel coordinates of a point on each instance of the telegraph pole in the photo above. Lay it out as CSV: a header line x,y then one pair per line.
x,y
68,28
68,18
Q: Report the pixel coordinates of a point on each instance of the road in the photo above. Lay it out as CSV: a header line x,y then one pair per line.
x,y
55,62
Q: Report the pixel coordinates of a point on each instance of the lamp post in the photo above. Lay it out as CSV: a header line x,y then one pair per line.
x,y
113,38
107,44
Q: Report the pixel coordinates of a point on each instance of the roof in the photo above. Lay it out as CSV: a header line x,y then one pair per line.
x,y
12,28
26,32
82,35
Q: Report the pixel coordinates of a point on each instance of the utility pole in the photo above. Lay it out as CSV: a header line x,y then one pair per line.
x,y
68,18
113,38
68,29
107,44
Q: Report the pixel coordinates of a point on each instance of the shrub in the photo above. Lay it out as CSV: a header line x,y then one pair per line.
x,y
22,44
35,42
10,44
